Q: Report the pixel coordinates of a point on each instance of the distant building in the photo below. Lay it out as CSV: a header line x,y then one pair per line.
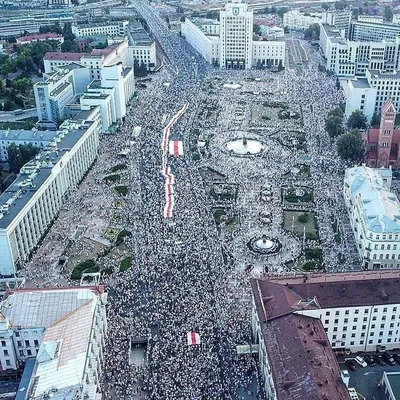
x,y
229,42
296,20
376,88
364,31
299,320
374,213
112,28
32,201
40,38
40,139
339,19
63,330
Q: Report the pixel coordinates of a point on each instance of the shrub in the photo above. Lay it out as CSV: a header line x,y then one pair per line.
x,y
125,264
118,167
87,266
303,218
112,178
315,254
311,265
122,190
120,238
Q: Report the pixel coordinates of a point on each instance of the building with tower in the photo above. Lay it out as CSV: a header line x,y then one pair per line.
x,y
382,144
236,34
229,42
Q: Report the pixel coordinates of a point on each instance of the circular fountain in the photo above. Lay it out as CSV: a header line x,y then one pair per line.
x,y
264,245
245,147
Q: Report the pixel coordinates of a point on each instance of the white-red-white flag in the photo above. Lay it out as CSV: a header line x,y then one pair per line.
x,y
193,338
175,148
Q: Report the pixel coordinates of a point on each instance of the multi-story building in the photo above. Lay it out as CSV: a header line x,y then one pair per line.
x,y
15,26
382,144
338,18
295,357
59,3
229,42
298,320
63,331
58,89
353,58
364,31
236,35
112,28
31,202
296,20
40,38
40,139
374,213
98,58
142,48
377,88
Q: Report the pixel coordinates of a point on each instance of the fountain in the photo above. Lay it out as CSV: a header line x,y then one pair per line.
x,y
264,245
244,146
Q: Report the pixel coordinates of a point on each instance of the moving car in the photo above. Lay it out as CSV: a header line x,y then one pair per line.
x,y
351,364
360,361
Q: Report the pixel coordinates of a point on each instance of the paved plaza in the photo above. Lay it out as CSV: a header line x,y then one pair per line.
x,y
191,273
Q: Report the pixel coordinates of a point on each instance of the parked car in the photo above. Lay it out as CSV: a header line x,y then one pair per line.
x,y
396,358
369,360
351,364
379,359
360,361
388,358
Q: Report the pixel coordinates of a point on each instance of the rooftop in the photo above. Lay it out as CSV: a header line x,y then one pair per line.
x,y
380,207
26,135
34,173
360,83
61,359
302,361
40,36
394,380
52,55
41,308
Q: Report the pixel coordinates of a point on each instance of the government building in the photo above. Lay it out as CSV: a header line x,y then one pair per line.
x,y
229,42
33,200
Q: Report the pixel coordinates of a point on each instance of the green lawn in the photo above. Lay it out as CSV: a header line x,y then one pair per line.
x,y
310,225
126,263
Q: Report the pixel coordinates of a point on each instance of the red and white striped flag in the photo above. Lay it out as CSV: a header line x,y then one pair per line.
x,y
193,338
175,148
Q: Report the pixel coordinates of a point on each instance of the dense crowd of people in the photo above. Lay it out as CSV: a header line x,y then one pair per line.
x,y
179,281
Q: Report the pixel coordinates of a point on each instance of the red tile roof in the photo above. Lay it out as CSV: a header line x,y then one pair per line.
x,y
40,36
302,361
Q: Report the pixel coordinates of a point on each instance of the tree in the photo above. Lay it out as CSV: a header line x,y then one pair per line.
x,y
336,112
282,10
312,32
13,158
340,5
357,120
375,120
350,146
8,105
70,46
388,13
257,29
325,6
334,126
212,14
18,156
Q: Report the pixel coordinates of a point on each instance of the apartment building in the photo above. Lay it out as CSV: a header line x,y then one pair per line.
x,y
111,28
63,331
338,18
296,20
299,320
229,42
31,202
374,213
36,138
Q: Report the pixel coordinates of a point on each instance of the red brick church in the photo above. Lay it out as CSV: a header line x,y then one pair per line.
x,y
382,144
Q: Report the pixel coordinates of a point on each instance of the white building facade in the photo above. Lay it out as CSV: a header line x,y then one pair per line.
x,y
116,28
296,20
31,203
229,42
374,214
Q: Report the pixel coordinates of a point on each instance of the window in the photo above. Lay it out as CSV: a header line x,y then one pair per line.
x,y
21,353
327,322
336,321
336,313
353,335
36,343
335,329
8,362
29,352
5,352
370,341
3,343
27,344
19,343
346,320
355,319
361,342
373,326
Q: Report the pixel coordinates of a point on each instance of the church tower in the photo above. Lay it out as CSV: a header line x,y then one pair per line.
x,y
388,115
